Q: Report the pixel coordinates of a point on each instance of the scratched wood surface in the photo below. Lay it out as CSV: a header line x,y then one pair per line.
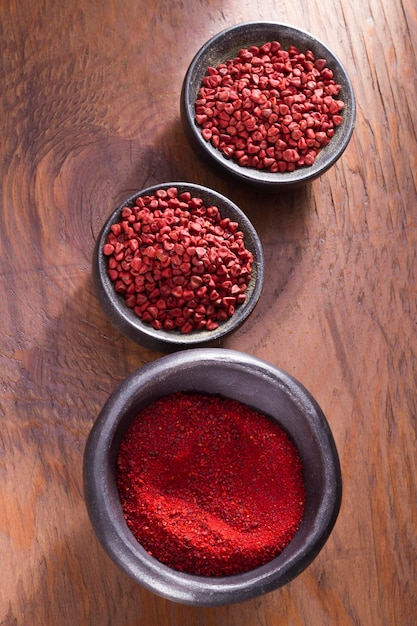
x,y
90,113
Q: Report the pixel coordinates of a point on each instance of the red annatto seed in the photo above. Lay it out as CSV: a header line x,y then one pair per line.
x,y
113,274
192,283
108,249
211,324
131,301
269,100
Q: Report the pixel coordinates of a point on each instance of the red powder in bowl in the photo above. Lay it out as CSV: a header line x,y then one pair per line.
x,y
208,485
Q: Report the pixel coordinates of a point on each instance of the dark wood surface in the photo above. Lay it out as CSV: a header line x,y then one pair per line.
x,y
89,114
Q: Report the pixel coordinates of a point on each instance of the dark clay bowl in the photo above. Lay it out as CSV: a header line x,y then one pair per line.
x,y
225,46
256,383
123,318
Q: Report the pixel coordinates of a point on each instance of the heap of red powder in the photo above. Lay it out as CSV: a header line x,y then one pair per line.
x,y
269,108
208,485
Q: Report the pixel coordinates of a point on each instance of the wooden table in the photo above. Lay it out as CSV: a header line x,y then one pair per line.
x,y
90,114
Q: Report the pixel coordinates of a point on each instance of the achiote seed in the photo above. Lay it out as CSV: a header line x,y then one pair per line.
x,y
177,263
269,108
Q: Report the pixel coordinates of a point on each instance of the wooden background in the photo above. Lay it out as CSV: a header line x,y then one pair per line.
x,y
89,114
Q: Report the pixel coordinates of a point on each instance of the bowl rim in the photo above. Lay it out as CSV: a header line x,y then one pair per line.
x,y
104,507
261,179
130,324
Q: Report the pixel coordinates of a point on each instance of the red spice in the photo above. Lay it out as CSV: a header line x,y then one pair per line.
x,y
178,264
208,485
269,108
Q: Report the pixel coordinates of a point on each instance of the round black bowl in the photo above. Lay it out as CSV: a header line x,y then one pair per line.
x,y
225,46
123,318
256,383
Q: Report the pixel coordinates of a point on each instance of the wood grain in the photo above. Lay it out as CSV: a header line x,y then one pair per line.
x,y
89,114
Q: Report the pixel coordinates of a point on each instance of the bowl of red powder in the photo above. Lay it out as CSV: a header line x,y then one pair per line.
x,y
269,104
178,265
211,477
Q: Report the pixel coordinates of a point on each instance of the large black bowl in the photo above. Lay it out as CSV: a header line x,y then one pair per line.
x,y
256,383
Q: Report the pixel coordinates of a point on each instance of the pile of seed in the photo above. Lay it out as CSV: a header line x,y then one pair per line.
x,y
269,108
178,263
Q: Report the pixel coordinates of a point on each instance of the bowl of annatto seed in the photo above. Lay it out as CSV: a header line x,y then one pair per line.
x,y
268,104
178,265
211,477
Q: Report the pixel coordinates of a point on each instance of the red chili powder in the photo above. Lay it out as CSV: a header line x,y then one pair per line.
x,y
208,485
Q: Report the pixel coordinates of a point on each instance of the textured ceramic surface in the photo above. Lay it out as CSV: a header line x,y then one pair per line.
x,y
130,324
258,384
226,45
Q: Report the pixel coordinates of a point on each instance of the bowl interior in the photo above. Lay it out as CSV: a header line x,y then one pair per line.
x,y
131,325
225,46
253,382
